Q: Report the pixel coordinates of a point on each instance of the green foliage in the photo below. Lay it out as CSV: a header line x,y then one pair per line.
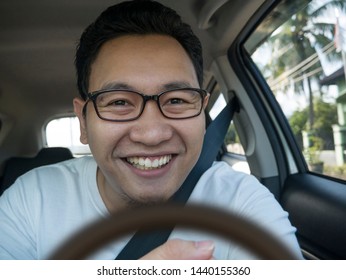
x,y
325,117
298,122
312,154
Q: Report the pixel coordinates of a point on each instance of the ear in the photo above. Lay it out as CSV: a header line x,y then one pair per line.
x,y
205,101
78,105
205,104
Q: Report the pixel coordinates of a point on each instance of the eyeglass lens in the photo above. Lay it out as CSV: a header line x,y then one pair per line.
x,y
126,105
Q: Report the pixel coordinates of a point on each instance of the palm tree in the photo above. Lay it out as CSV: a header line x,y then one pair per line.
x,y
299,38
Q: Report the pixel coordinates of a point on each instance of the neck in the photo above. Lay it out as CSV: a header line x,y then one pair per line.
x,y
115,201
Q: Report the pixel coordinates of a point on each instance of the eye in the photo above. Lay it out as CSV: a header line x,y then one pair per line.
x,y
117,99
176,101
118,103
112,102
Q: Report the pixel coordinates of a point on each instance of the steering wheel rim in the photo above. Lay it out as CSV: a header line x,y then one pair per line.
x,y
225,224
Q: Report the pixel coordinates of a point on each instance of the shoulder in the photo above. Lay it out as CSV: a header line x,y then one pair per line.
x,y
52,178
40,199
61,171
223,187
222,171
222,183
72,166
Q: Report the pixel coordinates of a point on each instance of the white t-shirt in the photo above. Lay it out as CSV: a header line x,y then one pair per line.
x,y
48,204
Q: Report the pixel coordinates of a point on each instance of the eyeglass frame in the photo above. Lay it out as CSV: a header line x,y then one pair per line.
x,y
91,96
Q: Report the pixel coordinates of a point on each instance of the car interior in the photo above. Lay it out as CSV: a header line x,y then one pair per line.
x,y
244,58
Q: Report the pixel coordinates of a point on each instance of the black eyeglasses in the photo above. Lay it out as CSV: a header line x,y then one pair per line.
x,y
120,105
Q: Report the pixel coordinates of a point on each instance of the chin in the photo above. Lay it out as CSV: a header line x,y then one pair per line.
x,y
146,201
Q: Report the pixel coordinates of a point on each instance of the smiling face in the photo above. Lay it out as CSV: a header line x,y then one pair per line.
x,y
145,160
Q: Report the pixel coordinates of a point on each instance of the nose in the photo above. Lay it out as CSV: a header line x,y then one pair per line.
x,y
151,128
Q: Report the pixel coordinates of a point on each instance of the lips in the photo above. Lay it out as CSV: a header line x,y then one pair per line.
x,y
149,163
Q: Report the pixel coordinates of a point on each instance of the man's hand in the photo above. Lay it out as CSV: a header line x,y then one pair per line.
x,y
177,249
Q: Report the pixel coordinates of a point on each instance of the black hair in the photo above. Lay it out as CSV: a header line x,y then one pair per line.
x,y
138,17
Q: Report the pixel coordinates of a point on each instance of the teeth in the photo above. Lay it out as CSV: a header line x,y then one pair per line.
x,y
148,164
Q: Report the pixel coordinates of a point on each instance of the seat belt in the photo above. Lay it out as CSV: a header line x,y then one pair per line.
x,y
143,242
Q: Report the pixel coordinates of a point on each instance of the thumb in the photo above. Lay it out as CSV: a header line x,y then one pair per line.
x,y
178,249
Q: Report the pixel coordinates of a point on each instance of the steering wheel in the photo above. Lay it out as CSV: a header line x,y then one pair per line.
x,y
224,224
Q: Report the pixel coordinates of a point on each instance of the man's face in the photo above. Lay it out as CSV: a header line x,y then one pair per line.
x,y
148,64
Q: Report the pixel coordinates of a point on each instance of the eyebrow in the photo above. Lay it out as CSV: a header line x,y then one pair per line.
x,y
177,84
116,85
164,87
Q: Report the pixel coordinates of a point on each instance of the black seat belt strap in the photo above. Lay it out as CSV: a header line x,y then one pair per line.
x,y
142,242
213,140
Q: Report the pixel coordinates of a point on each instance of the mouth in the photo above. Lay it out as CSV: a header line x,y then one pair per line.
x,y
149,163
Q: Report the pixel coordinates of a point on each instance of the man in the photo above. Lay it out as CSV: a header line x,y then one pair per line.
x,y
139,71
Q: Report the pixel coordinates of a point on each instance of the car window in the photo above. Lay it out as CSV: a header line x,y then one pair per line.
x,y
300,51
64,132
